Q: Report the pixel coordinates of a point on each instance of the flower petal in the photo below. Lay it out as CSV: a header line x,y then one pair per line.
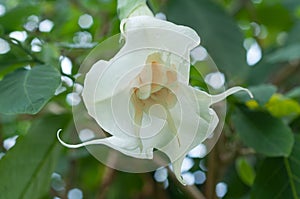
x,y
222,96
90,85
147,32
128,147
194,120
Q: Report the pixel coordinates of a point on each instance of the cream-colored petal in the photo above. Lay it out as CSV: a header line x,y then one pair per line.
x,y
144,36
127,146
144,32
90,85
195,120
222,96
115,115
189,38
119,73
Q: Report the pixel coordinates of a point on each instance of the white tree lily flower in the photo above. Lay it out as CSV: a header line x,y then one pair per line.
x,y
142,95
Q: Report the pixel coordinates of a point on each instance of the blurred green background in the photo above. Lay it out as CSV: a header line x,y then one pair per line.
x,y
254,43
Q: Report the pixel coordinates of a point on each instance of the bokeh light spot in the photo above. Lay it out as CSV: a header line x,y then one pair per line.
x,y
200,177
221,189
57,182
2,10
73,99
86,134
254,54
198,152
66,65
32,23
2,155
75,194
161,16
189,178
46,25
216,80
199,54
85,21
18,35
9,142
161,174
4,46
187,164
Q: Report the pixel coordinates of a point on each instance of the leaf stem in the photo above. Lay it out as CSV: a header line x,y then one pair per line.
x,y
290,174
17,43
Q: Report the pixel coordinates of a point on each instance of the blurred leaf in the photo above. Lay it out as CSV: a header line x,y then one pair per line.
x,y
236,188
275,23
294,93
245,171
15,18
280,106
262,72
27,91
26,169
266,134
279,177
125,190
285,54
218,31
262,93
11,126
15,58
196,79
293,35
49,54
126,7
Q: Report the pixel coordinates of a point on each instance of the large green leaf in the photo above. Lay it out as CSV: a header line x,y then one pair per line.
x,y
218,31
25,170
279,177
27,91
266,134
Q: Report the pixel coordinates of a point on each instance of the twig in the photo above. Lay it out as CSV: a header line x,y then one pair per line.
x,y
211,174
108,177
190,190
17,43
285,73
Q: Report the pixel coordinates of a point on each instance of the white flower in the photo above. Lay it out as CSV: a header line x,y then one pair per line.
x,y
142,95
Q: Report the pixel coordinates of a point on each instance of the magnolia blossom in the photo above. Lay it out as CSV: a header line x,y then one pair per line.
x,y
142,95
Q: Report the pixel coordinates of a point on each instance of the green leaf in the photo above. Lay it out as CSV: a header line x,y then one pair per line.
x,y
262,72
15,18
285,54
236,188
245,171
266,134
279,177
294,93
26,169
27,91
293,35
280,106
219,33
262,93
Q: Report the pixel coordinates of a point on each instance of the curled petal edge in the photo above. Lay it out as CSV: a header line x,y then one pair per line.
x,y
132,149
219,97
